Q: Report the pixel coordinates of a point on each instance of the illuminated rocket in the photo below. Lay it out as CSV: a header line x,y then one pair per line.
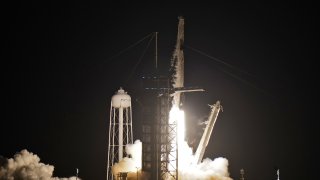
x,y
177,63
177,66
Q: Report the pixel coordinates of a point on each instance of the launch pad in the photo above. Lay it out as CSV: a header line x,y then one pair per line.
x,y
162,132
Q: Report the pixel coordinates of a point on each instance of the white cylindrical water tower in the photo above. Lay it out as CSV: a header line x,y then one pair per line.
x,y
120,129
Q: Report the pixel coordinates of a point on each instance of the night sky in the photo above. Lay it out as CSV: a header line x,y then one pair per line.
x,y
64,61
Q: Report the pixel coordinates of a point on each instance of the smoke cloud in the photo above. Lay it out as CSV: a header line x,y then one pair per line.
x,y
133,150
216,169
130,164
208,169
27,166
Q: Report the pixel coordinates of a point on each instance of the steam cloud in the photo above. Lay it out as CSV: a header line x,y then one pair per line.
x,y
27,166
132,164
216,169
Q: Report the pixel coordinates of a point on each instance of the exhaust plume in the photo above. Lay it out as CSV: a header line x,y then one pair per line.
x,y
208,169
27,166
216,169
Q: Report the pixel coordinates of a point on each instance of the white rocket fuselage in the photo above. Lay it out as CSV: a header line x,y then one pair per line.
x,y
178,63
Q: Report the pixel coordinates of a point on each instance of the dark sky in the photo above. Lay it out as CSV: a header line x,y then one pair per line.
x,y
60,71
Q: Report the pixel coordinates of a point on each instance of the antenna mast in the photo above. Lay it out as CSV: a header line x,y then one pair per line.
x,y
156,54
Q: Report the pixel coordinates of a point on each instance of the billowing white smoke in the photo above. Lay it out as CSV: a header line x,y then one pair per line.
x,y
216,169
208,169
27,166
130,164
134,150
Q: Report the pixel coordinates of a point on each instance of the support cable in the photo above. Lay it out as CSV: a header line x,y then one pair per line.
x,y
232,74
131,46
220,61
139,61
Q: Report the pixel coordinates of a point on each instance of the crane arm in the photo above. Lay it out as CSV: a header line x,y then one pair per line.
x,y
207,132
